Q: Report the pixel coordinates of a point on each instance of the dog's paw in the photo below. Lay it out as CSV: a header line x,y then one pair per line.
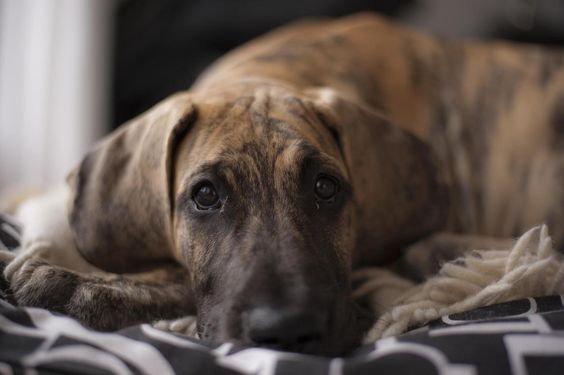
x,y
39,284
184,326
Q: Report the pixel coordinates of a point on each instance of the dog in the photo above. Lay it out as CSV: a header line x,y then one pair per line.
x,y
302,155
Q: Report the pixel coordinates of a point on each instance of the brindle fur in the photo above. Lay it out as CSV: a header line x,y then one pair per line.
x,y
426,135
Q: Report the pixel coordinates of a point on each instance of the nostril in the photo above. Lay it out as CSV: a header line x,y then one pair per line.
x,y
308,338
283,329
266,341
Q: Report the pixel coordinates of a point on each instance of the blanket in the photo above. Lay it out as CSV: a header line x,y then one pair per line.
x,y
448,332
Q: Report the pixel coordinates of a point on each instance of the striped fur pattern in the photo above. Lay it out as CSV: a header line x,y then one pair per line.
x,y
422,135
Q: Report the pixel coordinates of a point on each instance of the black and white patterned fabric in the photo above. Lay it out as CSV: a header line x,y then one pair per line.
x,y
10,232
519,337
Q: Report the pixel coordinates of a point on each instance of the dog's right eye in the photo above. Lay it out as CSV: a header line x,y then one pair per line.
x,y
206,197
326,187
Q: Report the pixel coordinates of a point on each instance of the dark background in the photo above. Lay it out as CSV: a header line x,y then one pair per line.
x,y
162,45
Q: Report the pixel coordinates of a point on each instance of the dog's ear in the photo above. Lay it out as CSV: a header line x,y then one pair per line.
x,y
397,192
121,209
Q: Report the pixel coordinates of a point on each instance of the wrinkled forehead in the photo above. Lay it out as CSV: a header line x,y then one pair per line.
x,y
270,133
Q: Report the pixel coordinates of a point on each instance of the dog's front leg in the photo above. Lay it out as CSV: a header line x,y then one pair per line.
x,y
104,301
424,258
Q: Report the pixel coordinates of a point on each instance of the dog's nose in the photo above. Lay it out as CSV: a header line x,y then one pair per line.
x,y
284,329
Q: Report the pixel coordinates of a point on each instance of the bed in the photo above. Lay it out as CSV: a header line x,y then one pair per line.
x,y
524,336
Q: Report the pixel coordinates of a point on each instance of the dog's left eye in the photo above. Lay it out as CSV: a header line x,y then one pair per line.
x,y
206,196
326,187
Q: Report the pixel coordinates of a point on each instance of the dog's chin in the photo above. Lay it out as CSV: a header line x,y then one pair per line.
x,y
344,333
348,332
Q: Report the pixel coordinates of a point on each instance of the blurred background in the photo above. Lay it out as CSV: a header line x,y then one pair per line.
x,y
73,70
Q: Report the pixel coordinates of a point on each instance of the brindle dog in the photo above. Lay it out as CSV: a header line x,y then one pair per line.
x,y
307,152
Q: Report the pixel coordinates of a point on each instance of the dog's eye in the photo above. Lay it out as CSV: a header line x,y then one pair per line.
x,y
206,196
326,187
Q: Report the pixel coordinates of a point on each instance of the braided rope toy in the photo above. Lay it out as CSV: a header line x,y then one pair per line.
x,y
531,268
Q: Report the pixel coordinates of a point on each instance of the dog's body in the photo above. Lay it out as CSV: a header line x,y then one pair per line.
x,y
319,147
492,113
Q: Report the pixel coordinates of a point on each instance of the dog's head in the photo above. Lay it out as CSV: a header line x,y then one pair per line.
x,y
267,198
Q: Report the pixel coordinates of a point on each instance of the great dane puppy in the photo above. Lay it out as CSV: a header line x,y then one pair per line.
x,y
320,147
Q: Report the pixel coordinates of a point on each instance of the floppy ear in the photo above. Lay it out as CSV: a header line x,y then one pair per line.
x,y
121,209
398,194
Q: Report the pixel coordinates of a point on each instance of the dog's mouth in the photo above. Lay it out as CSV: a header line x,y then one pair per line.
x,y
328,332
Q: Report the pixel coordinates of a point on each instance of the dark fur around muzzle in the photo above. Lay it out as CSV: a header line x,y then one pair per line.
x,y
279,293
